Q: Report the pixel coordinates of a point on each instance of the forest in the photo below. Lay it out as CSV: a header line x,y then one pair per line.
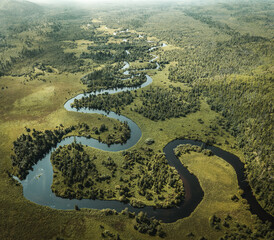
x,y
209,67
29,148
80,173
105,101
156,103
159,104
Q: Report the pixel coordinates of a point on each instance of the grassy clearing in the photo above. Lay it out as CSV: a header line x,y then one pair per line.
x,y
79,46
219,183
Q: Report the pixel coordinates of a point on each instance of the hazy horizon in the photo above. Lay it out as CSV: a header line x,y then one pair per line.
x,y
88,2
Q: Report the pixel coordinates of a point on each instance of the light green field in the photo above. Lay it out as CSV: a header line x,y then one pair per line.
x,y
219,183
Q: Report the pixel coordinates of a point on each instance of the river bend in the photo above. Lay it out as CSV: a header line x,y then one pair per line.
x,y
37,185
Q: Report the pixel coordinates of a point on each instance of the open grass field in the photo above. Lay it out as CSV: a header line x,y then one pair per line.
x,y
219,182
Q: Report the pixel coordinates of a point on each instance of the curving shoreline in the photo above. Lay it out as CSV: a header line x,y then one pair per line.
x,y
37,185
192,186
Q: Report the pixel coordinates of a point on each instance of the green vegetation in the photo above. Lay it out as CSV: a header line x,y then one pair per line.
x,y
224,52
235,230
215,84
224,217
75,165
156,103
30,148
119,133
105,101
187,148
159,104
148,225
245,102
107,78
140,177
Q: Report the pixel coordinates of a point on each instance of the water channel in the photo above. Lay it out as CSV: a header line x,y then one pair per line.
x,y
37,185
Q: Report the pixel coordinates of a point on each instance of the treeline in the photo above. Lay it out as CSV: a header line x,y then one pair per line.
x,y
106,102
238,55
5,66
99,56
211,23
246,102
30,52
104,56
31,147
143,66
160,104
187,148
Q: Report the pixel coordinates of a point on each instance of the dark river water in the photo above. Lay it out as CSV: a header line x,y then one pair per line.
x,y
37,185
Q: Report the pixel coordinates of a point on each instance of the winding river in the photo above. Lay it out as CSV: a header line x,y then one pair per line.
x,y
37,185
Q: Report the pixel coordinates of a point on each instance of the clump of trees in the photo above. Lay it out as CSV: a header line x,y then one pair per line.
x,y
105,101
119,134
144,66
153,176
215,222
98,56
187,148
110,164
151,226
31,147
236,230
145,178
160,104
74,164
76,173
